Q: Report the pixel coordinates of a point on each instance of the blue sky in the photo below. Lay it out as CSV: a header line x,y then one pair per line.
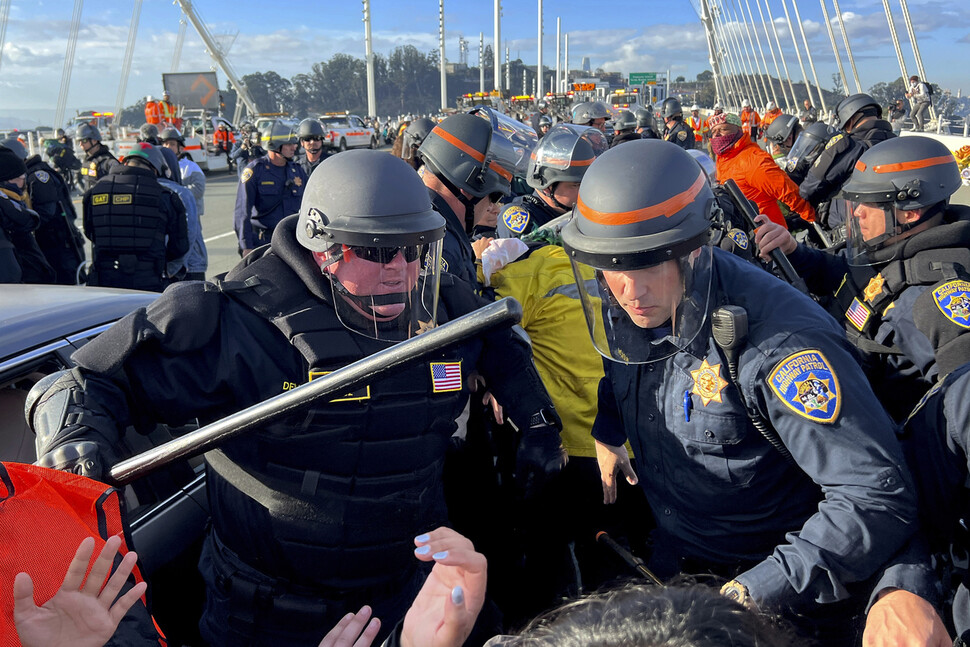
x,y
289,36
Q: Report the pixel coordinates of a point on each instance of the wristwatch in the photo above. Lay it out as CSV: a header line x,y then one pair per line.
x,y
540,418
738,592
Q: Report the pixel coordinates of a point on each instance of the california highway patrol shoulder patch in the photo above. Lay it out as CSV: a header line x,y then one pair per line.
x,y
248,173
516,219
807,385
43,176
953,300
739,237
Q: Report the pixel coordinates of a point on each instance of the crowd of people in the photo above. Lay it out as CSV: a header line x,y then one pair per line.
x,y
798,451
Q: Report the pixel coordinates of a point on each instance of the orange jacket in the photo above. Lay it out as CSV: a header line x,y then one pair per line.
x,y
223,136
152,113
761,180
698,125
749,120
770,116
167,110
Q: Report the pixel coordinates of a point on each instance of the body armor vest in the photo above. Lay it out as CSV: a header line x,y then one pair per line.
x,y
130,217
331,496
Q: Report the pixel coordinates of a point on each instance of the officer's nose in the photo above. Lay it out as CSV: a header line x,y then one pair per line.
x,y
398,261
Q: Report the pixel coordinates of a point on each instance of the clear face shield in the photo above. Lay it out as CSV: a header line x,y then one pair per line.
x,y
512,142
649,314
869,225
386,293
556,149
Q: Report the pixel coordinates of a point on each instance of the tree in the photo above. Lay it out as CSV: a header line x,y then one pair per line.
x,y
680,79
886,93
837,86
705,77
269,91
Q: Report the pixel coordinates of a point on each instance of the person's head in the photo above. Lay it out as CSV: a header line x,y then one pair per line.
x,y
172,139
718,108
914,79
166,96
311,133
808,145
639,615
545,123
624,122
855,109
148,133
671,109
783,131
414,136
12,168
593,114
542,106
222,126
60,135
88,137
368,221
695,110
283,140
561,160
645,120
725,131
808,104
770,106
642,222
899,187
144,155
745,104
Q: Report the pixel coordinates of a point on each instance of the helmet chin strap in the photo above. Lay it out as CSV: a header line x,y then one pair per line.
x,y
549,192
469,203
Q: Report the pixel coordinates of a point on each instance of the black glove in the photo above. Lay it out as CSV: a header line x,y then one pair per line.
x,y
539,458
84,458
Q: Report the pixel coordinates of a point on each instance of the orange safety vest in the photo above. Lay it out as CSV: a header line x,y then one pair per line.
x,y
152,112
46,513
749,119
167,110
697,124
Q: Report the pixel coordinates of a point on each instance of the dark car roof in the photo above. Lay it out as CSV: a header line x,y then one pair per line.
x,y
34,315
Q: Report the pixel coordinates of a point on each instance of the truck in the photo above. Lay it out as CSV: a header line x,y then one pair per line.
x,y
628,99
343,130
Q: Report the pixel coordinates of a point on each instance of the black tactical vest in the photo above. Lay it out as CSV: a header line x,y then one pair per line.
x,y
129,216
331,497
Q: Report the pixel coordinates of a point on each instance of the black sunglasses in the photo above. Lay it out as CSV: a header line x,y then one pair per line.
x,y
495,197
312,139
385,255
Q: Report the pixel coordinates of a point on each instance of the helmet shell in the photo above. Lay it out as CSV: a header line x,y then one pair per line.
x,y
852,104
457,149
671,108
310,128
779,129
169,134
563,155
624,120
14,144
87,131
280,135
646,119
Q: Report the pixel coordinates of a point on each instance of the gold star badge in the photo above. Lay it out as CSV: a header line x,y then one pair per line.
x,y
708,382
298,181
874,289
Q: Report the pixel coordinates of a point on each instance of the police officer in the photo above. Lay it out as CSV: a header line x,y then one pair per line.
x,y
624,128
764,454
675,130
904,236
57,236
310,133
21,260
809,144
594,114
545,123
412,139
781,134
61,154
98,160
135,225
555,170
542,110
346,485
271,189
646,124
464,165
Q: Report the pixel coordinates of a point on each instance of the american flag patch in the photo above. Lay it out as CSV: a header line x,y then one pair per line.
x,y
858,314
446,376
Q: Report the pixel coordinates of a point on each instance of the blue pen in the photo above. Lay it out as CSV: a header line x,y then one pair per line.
x,y
687,406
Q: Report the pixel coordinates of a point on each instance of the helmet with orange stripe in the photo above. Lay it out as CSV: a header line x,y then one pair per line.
x,y
564,154
458,151
642,222
897,185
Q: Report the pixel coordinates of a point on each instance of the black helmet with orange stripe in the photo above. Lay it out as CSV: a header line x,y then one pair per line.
x,y
643,222
564,154
458,151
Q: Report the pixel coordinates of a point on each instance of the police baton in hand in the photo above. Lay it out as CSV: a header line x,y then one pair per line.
x,y
631,560
781,261
504,312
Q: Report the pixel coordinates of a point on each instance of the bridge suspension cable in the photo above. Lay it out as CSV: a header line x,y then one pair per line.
x,y
4,15
129,54
68,63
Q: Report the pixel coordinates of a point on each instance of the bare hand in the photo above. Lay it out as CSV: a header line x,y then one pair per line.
x,y
444,612
353,630
78,616
478,246
612,459
770,235
497,410
903,619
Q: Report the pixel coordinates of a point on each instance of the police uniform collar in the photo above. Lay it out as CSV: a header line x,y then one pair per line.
x,y
299,259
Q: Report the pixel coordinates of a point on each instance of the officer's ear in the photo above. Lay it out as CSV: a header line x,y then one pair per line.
x,y
909,216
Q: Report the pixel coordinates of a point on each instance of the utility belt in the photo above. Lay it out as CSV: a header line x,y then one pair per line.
x,y
129,264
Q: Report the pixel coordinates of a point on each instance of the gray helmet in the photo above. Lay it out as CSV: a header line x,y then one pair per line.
x,y
310,128
169,134
458,150
148,132
585,113
619,184
624,120
563,155
646,119
414,135
909,172
542,104
280,135
87,131
247,127
59,133
544,120
781,128
366,198
14,144
148,153
852,104
671,108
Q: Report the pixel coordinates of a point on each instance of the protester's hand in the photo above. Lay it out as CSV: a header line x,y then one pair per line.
x,y
479,246
445,609
81,613
770,235
353,630
903,619
612,459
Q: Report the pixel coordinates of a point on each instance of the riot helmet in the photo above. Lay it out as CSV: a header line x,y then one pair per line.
x,y
59,133
544,120
368,219
460,152
564,155
542,104
624,120
414,136
14,144
783,127
642,222
896,185
646,119
706,164
671,108
148,133
584,114
280,135
87,131
148,153
169,134
808,146
310,128
852,104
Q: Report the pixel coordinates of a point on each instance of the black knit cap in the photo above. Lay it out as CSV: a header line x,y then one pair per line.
x,y
940,314
11,166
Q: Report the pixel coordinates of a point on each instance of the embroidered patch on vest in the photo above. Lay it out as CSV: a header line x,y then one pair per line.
x,y
445,376
101,198
708,382
874,289
807,385
953,300
516,219
739,237
121,198
43,176
360,393
858,314
248,173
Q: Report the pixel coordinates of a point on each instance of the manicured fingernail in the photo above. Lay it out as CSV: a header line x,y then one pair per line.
x,y
423,550
457,596
441,555
422,538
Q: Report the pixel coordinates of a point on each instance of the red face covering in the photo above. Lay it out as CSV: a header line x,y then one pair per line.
x,y
721,143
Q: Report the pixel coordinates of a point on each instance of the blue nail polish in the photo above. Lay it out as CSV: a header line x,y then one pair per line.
x,y
422,538
423,550
457,596
441,555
